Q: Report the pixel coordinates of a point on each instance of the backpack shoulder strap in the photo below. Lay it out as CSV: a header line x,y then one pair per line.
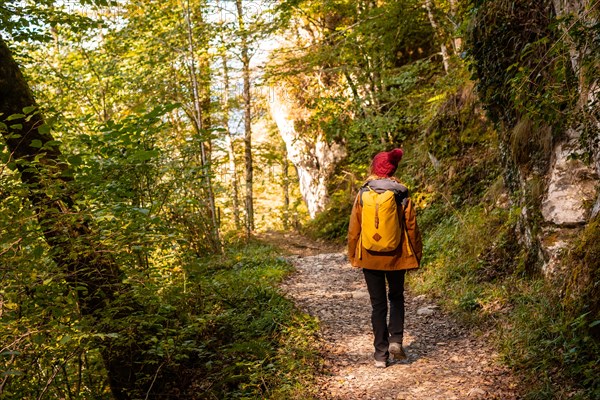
x,y
364,188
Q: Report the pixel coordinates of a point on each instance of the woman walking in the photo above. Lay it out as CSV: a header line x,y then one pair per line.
x,y
384,240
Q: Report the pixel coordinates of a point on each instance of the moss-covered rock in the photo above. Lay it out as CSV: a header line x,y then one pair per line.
x,y
582,292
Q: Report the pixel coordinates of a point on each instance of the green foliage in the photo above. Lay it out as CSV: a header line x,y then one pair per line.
x,y
371,79
549,343
119,100
582,295
363,71
402,111
471,265
583,35
524,79
35,20
220,322
47,346
262,347
332,224
456,256
517,61
453,116
454,164
522,57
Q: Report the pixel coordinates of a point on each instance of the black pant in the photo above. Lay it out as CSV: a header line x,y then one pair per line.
x,y
385,332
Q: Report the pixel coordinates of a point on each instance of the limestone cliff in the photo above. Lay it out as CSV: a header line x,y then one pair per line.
x,y
311,154
537,68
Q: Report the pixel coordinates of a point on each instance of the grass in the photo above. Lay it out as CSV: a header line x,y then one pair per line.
x,y
473,268
211,328
265,346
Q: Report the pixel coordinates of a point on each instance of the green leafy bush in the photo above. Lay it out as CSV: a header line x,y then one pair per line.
x,y
218,326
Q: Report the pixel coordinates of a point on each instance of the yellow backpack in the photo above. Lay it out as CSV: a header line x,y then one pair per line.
x,y
380,226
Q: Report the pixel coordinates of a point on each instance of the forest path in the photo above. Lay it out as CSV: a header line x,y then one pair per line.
x,y
445,361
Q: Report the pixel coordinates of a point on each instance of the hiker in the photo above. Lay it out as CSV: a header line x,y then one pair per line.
x,y
384,240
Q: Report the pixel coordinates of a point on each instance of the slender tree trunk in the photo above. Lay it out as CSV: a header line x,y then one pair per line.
x,y
457,41
285,165
438,32
247,120
230,147
199,124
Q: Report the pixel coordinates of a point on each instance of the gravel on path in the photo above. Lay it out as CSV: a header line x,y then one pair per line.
x,y
445,361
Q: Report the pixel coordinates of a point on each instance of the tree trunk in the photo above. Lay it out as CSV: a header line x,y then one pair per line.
x,y
247,119
230,148
438,32
199,124
285,165
90,271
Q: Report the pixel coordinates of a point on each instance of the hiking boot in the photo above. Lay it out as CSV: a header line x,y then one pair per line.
x,y
380,364
397,351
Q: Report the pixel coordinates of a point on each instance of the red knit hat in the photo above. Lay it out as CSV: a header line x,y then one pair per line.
x,y
385,163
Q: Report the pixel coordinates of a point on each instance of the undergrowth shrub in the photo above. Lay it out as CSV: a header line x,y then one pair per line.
x,y
263,347
546,330
549,344
332,224
551,332
454,264
218,326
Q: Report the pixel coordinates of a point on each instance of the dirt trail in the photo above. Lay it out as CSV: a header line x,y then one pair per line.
x,y
445,361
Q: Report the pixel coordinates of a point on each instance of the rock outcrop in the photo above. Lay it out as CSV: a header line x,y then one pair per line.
x,y
313,156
